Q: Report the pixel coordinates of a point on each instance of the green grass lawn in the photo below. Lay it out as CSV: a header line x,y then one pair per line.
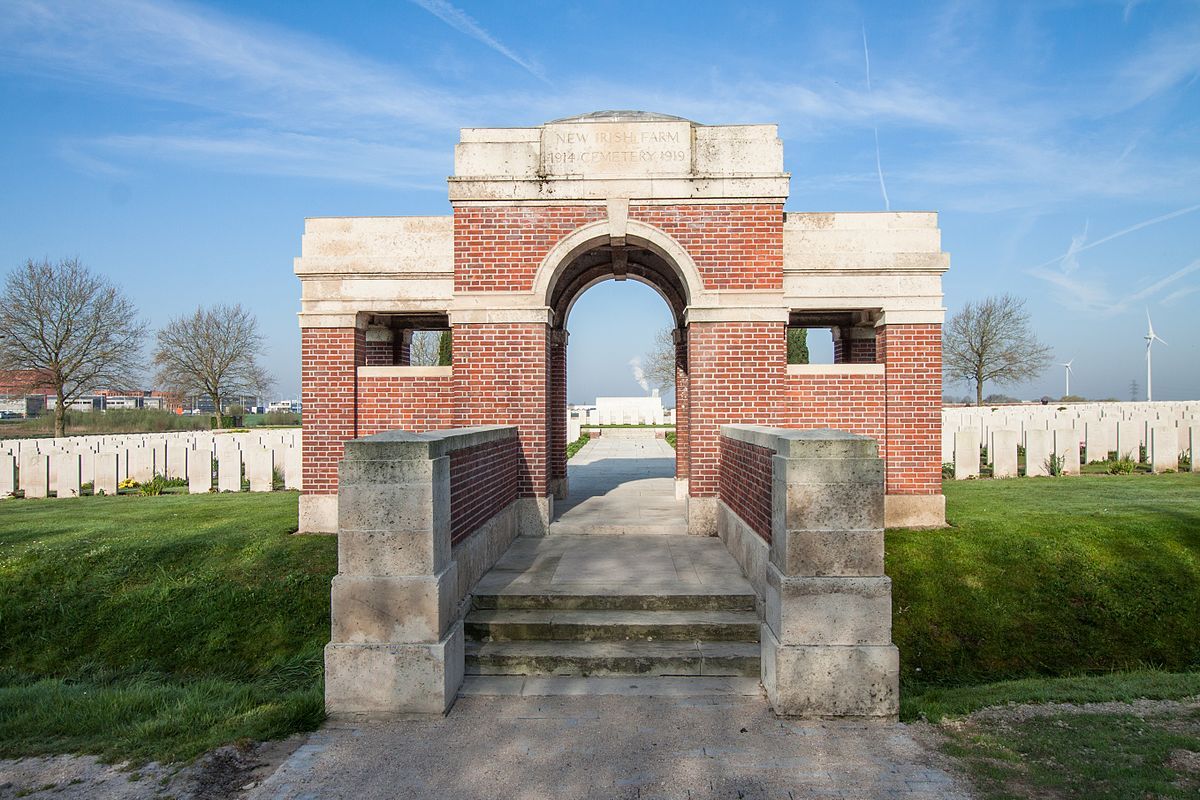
x,y
159,627
1050,577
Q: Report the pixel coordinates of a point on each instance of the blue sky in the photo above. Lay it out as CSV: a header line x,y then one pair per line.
x,y
178,147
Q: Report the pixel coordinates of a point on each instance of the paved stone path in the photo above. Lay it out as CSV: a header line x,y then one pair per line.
x,y
632,564
621,485
526,748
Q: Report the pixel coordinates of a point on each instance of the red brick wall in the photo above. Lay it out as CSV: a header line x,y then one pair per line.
x,y
483,481
737,373
501,377
851,403
913,354
558,404
328,373
746,472
681,407
409,403
499,248
380,354
733,246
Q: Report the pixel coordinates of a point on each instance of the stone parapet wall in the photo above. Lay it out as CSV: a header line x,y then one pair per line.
x,y
396,641
826,642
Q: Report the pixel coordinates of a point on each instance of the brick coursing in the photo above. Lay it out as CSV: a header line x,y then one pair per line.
x,y
502,377
852,403
737,374
409,403
499,248
746,480
913,355
329,361
735,246
483,482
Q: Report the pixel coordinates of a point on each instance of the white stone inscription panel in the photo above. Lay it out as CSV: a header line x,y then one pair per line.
x,y
617,148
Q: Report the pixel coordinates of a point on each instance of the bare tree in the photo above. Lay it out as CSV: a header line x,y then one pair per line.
x,y
69,330
659,362
429,349
214,352
992,341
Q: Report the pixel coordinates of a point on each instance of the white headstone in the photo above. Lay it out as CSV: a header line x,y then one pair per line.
x,y
1038,446
67,472
1164,448
966,454
260,469
8,476
199,472
293,467
35,474
107,467
177,455
1066,447
1004,459
229,470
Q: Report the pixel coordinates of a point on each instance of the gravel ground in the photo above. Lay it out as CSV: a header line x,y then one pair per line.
x,y
227,772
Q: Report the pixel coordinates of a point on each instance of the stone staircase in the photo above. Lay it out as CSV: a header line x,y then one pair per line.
x,y
518,629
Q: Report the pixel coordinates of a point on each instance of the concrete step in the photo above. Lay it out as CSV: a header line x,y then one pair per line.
x,y
582,625
626,686
612,658
502,591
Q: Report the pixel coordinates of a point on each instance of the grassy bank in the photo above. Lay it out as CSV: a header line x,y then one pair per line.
x,y
159,627
1050,577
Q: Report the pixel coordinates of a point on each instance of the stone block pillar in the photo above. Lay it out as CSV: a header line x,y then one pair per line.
x,y
396,644
827,643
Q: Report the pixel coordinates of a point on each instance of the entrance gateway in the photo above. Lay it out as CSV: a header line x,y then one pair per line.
x,y
428,473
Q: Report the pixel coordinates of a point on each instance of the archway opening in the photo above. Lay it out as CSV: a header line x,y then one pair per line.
x,y
618,314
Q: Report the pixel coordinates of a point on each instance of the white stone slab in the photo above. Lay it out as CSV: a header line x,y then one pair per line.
x,y
1164,448
199,472
67,474
1004,457
177,455
966,454
35,474
260,469
229,471
1038,446
8,476
107,473
1066,447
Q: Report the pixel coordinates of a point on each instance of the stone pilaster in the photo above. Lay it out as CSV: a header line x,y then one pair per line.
x,y
827,643
396,643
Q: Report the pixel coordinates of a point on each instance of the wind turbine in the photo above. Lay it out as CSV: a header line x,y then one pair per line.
x,y
1068,375
1151,337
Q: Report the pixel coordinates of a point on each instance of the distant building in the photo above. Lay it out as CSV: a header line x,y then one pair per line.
x,y
22,393
283,406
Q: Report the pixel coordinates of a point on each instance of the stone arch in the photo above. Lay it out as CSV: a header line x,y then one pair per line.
x,y
647,241
591,255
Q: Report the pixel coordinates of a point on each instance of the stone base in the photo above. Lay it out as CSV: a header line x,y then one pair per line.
x,y
816,681
914,511
681,488
399,678
702,516
318,513
534,515
749,549
560,488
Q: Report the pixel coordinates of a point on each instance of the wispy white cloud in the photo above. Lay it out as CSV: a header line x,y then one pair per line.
x,y
1177,295
461,21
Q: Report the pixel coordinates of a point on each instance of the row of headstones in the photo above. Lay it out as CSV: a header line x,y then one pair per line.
x,y
110,443
65,473
1181,414
1099,437
1163,450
